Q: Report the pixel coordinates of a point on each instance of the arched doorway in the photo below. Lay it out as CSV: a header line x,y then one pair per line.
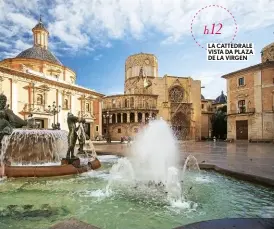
x,y
181,126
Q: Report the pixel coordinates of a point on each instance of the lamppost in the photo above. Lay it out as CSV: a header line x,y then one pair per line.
x,y
107,117
54,110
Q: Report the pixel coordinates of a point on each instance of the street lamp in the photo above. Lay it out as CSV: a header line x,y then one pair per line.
x,y
107,117
54,110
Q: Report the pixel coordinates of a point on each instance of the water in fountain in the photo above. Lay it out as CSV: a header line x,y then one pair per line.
x,y
25,146
154,160
4,146
88,147
191,163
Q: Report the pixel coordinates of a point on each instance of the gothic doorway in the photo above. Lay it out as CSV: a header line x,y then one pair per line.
x,y
181,126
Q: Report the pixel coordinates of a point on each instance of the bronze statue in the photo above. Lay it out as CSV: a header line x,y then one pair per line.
x,y
72,136
13,119
31,124
82,136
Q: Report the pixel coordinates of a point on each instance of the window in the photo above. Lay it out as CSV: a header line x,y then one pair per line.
x,y
97,128
105,131
66,104
87,107
176,94
241,106
202,106
113,103
119,130
39,99
131,102
241,81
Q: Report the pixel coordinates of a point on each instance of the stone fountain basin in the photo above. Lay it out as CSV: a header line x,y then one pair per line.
x,y
43,171
48,171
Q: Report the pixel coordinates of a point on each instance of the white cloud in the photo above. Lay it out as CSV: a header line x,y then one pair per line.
x,y
212,82
20,45
89,24
108,45
98,57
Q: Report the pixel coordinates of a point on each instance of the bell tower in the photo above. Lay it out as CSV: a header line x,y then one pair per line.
x,y
40,35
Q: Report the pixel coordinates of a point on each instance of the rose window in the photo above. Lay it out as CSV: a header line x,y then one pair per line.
x,y
176,94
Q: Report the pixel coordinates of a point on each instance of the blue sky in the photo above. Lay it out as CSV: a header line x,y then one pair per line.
x,y
94,37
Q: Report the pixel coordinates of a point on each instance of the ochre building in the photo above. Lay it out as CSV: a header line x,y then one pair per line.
x,y
147,96
36,79
250,105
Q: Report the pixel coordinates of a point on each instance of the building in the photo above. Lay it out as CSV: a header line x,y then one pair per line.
x,y
250,93
146,96
36,79
208,107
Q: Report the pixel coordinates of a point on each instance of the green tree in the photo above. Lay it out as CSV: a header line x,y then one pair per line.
x,y
219,123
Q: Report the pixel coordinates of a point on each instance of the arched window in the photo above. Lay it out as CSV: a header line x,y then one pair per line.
x,y
39,99
131,102
241,106
66,104
87,107
126,103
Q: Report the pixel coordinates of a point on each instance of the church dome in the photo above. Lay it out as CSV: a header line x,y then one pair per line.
x,y
38,52
267,53
221,98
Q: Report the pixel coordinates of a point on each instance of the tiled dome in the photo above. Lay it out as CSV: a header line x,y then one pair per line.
x,y
221,99
40,25
37,52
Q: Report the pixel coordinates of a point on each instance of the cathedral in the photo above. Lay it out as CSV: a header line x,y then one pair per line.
x,y
37,84
148,96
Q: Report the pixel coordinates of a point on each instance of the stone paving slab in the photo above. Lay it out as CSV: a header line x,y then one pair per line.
x,y
232,224
73,224
255,159
253,223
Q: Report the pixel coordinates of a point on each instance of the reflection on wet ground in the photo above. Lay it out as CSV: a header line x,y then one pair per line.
x,y
252,158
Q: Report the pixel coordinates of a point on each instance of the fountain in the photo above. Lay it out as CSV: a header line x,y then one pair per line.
x,y
25,151
143,190
153,161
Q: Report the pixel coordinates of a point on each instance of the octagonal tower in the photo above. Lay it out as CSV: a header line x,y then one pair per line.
x,y
137,68
267,53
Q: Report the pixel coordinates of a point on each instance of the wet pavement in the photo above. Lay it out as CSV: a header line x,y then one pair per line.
x,y
255,159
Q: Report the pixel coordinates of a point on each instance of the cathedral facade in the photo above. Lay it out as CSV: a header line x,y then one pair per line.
x,y
36,83
148,96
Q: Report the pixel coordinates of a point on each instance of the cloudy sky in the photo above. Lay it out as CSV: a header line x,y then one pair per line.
x,y
94,37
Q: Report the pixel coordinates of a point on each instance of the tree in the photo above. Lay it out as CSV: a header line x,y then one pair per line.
x,y
219,123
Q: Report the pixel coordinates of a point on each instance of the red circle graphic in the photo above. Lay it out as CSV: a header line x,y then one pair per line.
x,y
236,26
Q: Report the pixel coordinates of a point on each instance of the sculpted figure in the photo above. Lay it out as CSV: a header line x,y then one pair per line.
x,y
13,119
72,136
82,136
31,122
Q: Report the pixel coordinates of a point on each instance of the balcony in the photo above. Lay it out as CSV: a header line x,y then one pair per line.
x,y
242,110
85,114
35,108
